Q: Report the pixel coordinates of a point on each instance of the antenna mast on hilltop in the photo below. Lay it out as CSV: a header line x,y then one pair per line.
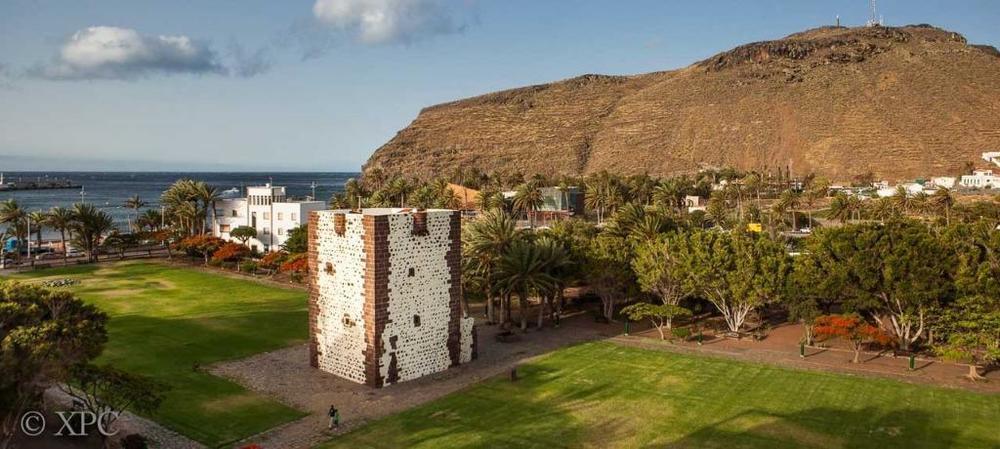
x,y
874,21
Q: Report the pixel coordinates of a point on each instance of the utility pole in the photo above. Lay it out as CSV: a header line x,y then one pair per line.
x,y
313,191
28,238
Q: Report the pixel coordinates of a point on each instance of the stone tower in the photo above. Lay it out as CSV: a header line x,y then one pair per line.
x,y
384,294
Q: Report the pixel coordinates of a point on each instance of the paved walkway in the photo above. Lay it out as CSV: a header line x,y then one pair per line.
x,y
781,348
286,376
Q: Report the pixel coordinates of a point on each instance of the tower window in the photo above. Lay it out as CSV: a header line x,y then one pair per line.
x,y
416,320
412,272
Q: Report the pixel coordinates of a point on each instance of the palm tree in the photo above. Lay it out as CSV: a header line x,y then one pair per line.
x,y
527,200
817,190
668,194
399,188
486,240
16,219
903,201
883,209
944,199
209,196
844,207
489,199
790,200
38,220
135,203
354,191
182,203
557,266
61,219
89,227
149,219
522,271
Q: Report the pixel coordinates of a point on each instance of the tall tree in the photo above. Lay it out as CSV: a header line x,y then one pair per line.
x,y
43,335
898,272
972,332
485,241
16,219
61,219
735,271
608,270
38,221
522,271
89,227
209,196
527,200
659,272
135,203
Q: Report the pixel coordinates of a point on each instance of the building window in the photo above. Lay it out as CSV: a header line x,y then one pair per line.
x,y
281,231
411,272
235,213
223,228
294,217
267,231
267,215
416,320
281,215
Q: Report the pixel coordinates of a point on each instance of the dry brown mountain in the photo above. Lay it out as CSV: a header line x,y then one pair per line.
x,y
902,102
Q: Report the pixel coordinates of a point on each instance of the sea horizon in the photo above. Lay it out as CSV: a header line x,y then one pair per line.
x,y
108,190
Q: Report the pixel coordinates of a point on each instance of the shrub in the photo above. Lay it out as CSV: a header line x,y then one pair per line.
x,y
297,264
248,266
681,332
201,245
230,252
274,260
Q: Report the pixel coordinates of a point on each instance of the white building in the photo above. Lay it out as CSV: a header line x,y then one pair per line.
x,y
981,179
992,157
947,182
266,209
695,202
385,294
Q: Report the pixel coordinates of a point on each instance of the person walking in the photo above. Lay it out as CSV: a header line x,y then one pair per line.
x,y
334,417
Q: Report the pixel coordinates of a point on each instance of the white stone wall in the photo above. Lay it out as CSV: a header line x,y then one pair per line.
x,y
423,349
341,295
467,340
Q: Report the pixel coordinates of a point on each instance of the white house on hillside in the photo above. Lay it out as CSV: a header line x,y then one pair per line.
x,y
992,157
266,209
981,179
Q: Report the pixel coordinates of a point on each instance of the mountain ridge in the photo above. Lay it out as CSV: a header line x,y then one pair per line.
x,y
899,101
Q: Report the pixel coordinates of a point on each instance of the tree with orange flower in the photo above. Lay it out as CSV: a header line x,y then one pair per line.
x,y
852,328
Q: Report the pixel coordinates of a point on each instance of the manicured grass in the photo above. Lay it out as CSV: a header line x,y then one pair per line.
x,y
603,395
165,321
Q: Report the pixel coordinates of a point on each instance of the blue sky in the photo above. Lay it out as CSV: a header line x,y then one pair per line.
x,y
319,84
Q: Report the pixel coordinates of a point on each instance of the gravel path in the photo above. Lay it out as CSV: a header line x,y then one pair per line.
x,y
159,437
286,376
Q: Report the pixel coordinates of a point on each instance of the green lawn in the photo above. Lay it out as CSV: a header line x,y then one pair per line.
x,y
603,395
165,321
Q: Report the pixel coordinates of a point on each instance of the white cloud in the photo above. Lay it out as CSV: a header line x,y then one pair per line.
x,y
104,52
382,21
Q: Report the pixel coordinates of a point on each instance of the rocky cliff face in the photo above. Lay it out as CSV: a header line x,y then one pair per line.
x,y
902,102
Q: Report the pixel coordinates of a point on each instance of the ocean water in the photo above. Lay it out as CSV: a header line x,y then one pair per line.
x,y
109,190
